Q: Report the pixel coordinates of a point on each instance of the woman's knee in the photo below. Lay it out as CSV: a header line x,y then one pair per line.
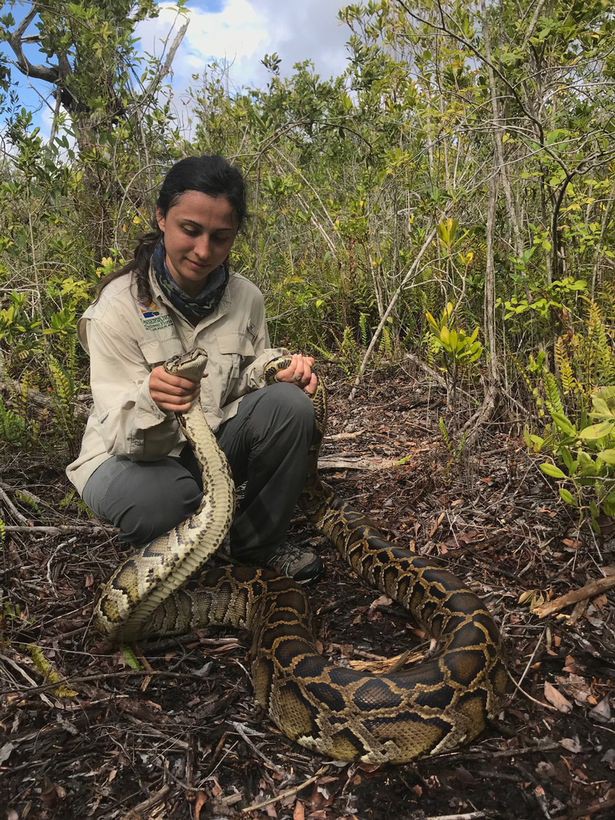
x,y
148,499
288,401
155,512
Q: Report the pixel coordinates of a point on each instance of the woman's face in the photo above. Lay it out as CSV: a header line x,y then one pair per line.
x,y
199,231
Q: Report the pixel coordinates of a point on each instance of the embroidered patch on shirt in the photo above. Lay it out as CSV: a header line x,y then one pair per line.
x,y
152,318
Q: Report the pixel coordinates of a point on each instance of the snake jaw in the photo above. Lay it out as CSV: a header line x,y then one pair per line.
x,y
189,365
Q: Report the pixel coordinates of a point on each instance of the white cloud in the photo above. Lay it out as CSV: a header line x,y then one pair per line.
x,y
308,29
243,31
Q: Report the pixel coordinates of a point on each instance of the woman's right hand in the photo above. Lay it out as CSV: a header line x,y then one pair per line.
x,y
173,394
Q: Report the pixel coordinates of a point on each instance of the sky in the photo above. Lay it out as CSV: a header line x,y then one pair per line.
x,y
236,32
243,31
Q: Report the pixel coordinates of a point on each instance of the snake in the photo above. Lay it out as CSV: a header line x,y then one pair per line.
x,y
343,713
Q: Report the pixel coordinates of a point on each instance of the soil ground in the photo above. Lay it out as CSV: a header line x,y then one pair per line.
x,y
180,736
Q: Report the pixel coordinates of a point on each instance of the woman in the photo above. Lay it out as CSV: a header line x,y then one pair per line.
x,y
135,468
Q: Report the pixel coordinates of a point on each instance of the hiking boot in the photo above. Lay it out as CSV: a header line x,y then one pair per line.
x,y
298,563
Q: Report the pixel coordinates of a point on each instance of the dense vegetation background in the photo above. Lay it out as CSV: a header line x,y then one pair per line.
x,y
448,197
439,220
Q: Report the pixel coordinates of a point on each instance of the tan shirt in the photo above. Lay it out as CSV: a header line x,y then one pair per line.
x,y
126,341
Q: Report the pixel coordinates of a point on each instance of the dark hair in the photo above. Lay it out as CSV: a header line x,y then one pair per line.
x,y
209,174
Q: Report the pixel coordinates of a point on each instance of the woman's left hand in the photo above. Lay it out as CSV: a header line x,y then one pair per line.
x,y
300,372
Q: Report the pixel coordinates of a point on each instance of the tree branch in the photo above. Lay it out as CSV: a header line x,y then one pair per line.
x,y
481,57
50,74
388,311
592,588
165,67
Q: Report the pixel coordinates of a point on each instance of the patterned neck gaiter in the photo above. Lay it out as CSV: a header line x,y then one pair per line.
x,y
194,308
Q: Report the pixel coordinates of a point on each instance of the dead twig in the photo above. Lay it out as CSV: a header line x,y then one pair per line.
x,y
12,508
345,436
472,815
39,399
142,810
286,792
529,697
244,736
356,464
63,529
26,494
403,285
75,680
39,690
438,379
594,808
591,589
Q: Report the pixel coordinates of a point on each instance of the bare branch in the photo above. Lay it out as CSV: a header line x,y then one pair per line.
x,y
388,311
50,74
165,67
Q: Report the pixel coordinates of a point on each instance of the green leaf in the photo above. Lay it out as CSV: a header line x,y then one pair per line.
x,y
552,470
566,456
432,321
567,496
537,442
602,409
564,424
586,463
130,659
608,456
556,136
608,504
596,431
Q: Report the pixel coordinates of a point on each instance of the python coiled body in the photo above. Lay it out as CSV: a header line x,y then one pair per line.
x,y
340,712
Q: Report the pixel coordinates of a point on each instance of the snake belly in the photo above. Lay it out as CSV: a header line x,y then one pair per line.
x,y
138,587
336,711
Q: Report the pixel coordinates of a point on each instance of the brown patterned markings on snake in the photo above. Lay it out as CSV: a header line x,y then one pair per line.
x,y
340,712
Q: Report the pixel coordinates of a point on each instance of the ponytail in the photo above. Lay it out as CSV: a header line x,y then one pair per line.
x,y
139,265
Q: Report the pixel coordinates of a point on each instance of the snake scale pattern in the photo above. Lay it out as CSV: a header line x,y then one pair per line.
x,y
340,712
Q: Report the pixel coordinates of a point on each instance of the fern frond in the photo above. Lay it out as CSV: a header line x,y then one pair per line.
x,y
364,328
564,367
386,342
62,381
49,672
28,382
553,399
594,352
604,351
13,427
592,343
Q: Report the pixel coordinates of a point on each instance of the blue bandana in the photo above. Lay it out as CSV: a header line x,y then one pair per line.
x,y
194,308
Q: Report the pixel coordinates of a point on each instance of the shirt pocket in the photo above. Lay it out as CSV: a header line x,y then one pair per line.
x,y
236,351
157,351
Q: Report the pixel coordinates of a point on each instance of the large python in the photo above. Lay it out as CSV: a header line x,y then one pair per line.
x,y
340,712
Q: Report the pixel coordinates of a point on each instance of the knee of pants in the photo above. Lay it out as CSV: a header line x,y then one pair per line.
x,y
147,517
291,405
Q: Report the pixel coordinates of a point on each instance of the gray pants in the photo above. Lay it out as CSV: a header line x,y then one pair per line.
x,y
266,444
